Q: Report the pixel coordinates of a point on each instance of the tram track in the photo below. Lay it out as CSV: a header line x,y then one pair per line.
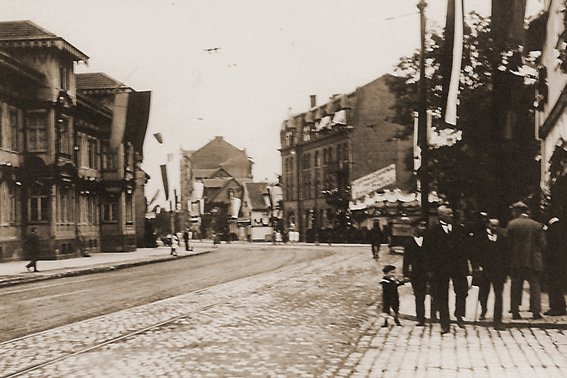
x,y
251,284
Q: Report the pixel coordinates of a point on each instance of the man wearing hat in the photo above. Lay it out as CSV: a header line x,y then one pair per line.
x,y
527,242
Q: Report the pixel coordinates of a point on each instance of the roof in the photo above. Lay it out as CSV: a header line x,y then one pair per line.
x,y
12,64
27,34
97,81
215,183
218,153
204,173
256,192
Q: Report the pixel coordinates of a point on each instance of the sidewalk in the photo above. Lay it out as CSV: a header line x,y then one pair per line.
x,y
15,272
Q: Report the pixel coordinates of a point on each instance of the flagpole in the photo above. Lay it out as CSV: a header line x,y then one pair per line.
x,y
422,119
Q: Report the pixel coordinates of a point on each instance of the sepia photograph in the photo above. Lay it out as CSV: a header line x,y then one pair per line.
x,y
283,189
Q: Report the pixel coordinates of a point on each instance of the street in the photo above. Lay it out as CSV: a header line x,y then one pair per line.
x,y
310,312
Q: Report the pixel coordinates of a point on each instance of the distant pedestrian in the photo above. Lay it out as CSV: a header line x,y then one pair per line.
x,y
415,269
390,296
556,266
448,256
376,239
186,238
527,242
492,264
32,248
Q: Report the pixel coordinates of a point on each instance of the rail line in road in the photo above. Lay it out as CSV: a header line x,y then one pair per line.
x,y
187,305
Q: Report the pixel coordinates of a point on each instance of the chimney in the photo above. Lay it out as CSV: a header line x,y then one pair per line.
x,y
313,101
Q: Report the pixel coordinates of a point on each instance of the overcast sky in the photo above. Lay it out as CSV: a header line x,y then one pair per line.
x,y
273,55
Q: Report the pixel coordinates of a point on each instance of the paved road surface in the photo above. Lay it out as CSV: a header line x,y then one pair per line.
x,y
313,319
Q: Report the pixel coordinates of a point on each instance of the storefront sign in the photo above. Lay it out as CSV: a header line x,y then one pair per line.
x,y
374,181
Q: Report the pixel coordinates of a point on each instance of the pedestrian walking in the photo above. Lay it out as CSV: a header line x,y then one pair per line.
x,y
415,269
376,240
32,247
556,266
186,238
527,242
491,262
390,296
447,250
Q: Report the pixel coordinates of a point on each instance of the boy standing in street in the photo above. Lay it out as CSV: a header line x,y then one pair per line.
x,y
390,296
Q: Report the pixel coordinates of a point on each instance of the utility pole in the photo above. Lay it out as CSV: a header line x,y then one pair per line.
x,y
422,119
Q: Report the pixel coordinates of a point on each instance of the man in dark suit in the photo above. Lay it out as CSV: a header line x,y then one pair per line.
x,y
556,266
415,269
32,245
527,242
447,249
492,261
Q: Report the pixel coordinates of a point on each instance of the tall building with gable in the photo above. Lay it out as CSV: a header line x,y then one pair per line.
x,y
212,180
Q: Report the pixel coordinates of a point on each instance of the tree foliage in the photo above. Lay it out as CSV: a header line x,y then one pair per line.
x,y
463,173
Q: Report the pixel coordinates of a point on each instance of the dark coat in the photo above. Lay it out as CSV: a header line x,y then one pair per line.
x,y
556,252
415,260
493,256
447,253
390,296
526,242
33,246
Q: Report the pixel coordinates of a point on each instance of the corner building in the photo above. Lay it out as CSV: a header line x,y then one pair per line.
x,y
58,171
326,148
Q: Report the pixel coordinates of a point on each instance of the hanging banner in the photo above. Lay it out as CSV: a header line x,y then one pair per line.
x,y
163,168
198,189
234,207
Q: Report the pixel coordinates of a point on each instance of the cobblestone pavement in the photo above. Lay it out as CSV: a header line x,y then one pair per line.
x,y
317,319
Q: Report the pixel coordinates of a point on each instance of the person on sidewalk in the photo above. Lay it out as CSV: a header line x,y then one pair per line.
x,y
186,238
527,242
556,266
446,246
32,246
415,269
376,240
492,265
390,296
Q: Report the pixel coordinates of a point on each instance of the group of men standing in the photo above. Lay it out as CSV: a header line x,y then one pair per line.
x,y
448,252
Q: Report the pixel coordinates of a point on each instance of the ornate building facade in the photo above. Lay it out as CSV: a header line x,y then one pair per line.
x,y
327,150
68,163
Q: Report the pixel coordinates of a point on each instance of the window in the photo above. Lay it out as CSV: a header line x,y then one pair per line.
x,y
14,129
339,155
306,133
92,154
63,136
345,152
110,210
37,133
63,78
65,205
108,159
317,159
38,203
330,157
12,203
129,209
